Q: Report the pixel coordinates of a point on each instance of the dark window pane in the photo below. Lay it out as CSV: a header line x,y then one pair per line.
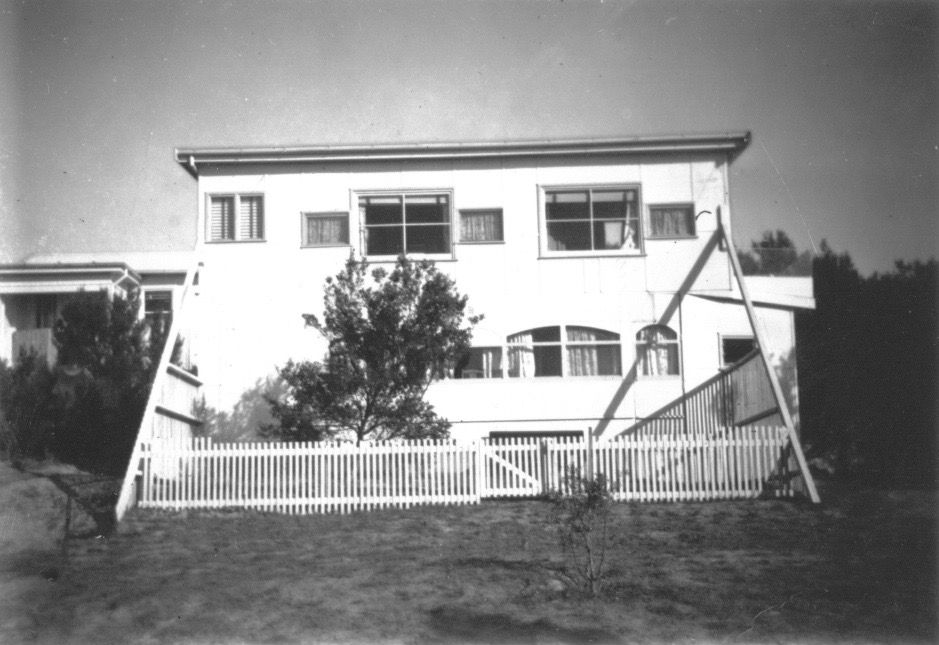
x,y
735,349
381,210
609,204
384,240
546,335
427,209
547,360
428,239
566,205
569,236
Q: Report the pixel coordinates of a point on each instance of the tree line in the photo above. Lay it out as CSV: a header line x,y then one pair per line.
x,y
867,362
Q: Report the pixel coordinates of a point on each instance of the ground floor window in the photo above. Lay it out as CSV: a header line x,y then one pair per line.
x,y
735,348
657,351
158,310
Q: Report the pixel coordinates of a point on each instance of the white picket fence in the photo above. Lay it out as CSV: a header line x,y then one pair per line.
x,y
302,478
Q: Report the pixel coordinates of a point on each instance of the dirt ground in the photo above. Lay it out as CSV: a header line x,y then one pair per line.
x,y
859,568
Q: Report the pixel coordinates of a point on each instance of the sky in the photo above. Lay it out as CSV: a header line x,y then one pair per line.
x,y
842,99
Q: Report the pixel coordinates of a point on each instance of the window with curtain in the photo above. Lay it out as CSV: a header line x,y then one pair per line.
x,y
592,219
158,310
657,351
481,225
235,218
593,352
578,351
406,223
325,229
671,221
479,362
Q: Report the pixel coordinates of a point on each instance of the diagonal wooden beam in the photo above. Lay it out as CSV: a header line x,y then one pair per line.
x,y
770,371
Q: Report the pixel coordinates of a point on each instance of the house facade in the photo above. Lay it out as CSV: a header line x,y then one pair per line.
x,y
606,289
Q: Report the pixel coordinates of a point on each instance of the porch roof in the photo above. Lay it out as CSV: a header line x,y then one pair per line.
x,y
66,277
728,143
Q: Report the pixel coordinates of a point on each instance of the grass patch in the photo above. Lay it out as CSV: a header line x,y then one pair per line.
x,y
859,568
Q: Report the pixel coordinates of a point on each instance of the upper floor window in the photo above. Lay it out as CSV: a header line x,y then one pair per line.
x,y
676,220
657,351
591,220
325,229
412,223
482,225
236,218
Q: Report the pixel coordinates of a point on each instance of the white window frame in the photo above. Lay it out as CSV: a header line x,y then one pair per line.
x,y
671,206
543,243
236,197
404,193
304,232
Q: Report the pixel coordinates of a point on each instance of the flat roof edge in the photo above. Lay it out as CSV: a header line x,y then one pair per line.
x,y
731,143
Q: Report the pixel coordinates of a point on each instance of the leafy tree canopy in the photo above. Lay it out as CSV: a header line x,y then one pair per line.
x,y
775,254
388,334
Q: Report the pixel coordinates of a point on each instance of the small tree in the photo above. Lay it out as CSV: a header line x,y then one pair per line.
x,y
581,513
112,354
27,407
389,335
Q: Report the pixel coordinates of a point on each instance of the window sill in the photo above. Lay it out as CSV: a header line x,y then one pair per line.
x,y
391,259
481,242
567,255
223,242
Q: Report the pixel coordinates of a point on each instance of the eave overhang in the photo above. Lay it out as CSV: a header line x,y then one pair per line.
x,y
66,278
730,144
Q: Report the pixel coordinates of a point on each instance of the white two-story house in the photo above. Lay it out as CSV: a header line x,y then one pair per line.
x,y
606,291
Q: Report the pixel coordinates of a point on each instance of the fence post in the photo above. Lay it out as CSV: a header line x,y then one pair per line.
x,y
480,469
590,453
543,466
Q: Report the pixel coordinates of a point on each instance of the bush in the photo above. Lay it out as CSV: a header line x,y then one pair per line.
x,y
581,512
27,408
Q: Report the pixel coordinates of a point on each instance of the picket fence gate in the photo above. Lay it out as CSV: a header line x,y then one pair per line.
x,y
302,478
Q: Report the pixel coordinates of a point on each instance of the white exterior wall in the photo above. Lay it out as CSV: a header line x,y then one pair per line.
x,y
252,294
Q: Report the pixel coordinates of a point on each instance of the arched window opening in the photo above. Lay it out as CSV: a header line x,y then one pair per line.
x,y
657,351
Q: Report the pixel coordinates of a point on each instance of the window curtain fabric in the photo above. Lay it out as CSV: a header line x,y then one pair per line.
x,y
657,350
521,355
483,226
671,222
325,230
584,359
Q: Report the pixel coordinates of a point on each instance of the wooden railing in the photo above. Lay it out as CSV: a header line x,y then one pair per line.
x,y
168,414
303,478
739,395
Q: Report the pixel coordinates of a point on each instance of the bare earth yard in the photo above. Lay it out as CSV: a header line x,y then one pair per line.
x,y
859,568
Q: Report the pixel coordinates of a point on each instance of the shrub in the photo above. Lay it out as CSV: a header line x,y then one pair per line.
x,y
581,512
27,407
